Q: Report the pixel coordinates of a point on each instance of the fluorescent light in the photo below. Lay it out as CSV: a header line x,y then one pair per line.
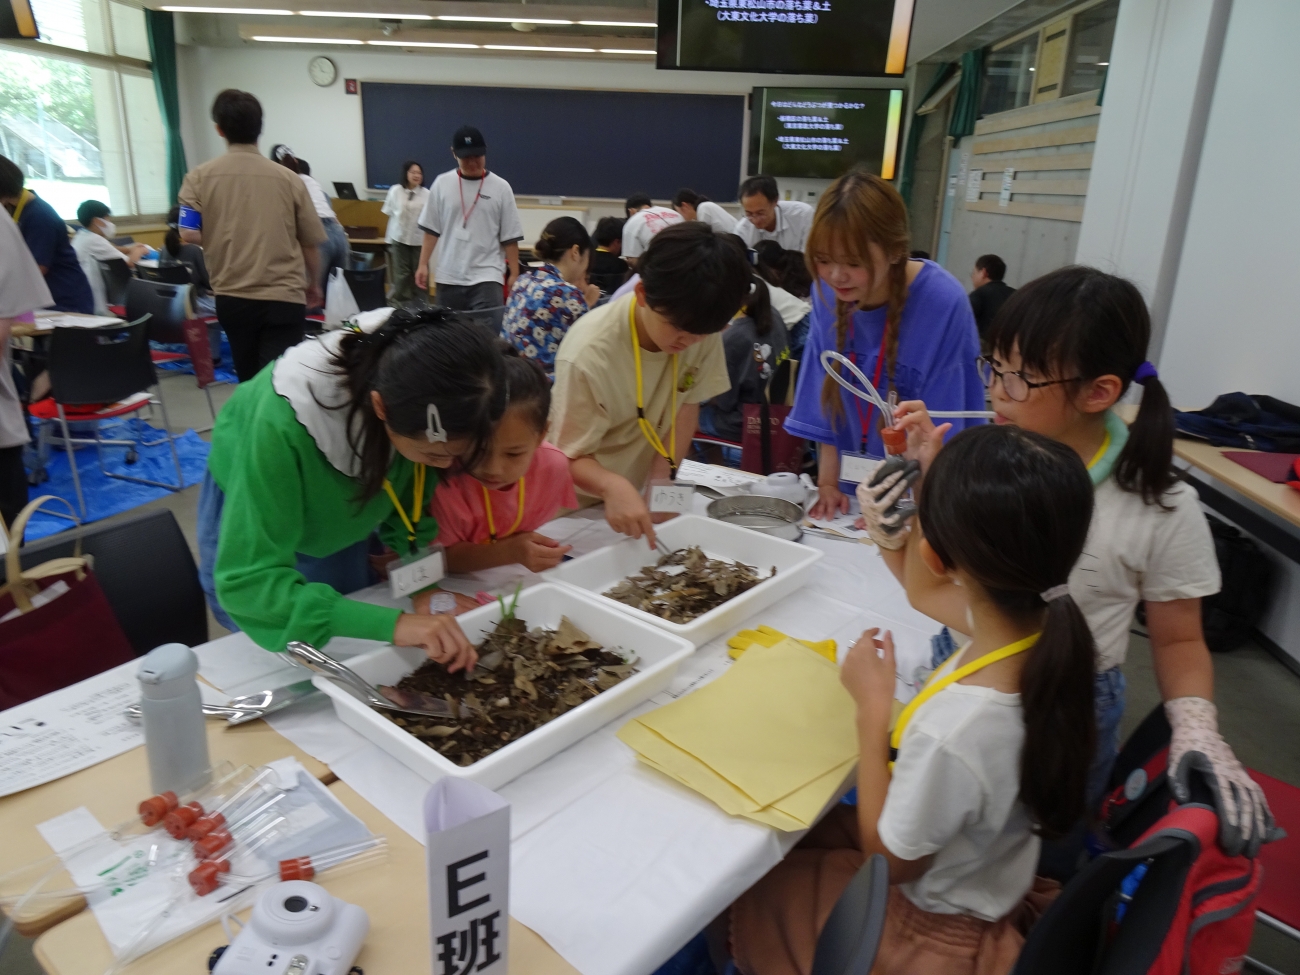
x,y
550,50
616,23
506,20
308,40
353,13
621,50
228,10
419,44
1102,64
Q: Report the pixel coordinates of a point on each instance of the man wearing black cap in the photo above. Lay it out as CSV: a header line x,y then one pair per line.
x,y
471,221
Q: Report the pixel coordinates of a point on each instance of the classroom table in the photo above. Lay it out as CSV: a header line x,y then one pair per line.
x,y
1279,499
394,894
112,790
28,330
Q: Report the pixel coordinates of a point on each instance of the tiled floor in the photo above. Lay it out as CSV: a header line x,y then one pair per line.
x,y
1258,698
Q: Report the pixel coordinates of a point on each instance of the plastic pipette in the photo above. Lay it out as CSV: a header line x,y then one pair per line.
x,y
869,394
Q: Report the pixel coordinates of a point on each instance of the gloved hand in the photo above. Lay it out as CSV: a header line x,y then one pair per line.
x,y
885,515
768,637
1245,821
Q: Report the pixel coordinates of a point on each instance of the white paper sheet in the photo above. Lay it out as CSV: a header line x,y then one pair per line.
x,y
48,322
69,730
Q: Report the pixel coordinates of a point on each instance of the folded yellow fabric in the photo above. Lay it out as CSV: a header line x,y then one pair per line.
x,y
769,636
772,739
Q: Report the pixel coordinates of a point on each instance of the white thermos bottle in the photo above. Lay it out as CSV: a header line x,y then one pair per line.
x,y
171,708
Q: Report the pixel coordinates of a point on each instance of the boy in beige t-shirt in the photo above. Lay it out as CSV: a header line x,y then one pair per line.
x,y
692,283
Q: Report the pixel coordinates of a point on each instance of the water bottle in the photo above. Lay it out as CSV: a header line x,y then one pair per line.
x,y
171,708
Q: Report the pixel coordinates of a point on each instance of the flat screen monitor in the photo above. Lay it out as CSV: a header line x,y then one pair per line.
x,y
16,20
855,37
345,191
822,133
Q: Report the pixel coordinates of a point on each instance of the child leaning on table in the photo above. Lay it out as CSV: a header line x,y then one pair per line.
x,y
986,763
489,515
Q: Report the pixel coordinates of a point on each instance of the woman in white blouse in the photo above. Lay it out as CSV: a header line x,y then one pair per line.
x,y
404,203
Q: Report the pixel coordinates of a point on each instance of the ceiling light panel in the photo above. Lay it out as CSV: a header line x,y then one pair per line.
x,y
307,40
621,50
548,50
229,10
357,13
615,23
505,20
422,44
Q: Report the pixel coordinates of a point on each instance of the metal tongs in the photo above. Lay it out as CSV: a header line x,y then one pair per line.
x,y
249,707
325,665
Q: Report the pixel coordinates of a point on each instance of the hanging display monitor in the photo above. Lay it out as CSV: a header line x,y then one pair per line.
x,y
857,37
822,133
16,20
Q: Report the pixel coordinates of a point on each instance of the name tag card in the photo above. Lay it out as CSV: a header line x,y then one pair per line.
x,y
410,576
675,497
857,468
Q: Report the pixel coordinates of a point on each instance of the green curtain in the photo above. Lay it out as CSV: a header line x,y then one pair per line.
x,y
914,134
967,108
162,49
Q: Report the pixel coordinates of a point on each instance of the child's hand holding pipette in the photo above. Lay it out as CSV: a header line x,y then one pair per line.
x,y
924,439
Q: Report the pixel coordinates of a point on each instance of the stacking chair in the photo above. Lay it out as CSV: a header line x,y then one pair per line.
x,y
90,367
172,321
171,274
367,287
117,275
851,935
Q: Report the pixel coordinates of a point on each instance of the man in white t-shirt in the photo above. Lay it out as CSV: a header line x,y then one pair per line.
x,y
93,243
692,206
644,220
471,221
769,218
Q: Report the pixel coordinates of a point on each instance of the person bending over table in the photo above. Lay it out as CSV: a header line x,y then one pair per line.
x,y
94,243
629,376
331,444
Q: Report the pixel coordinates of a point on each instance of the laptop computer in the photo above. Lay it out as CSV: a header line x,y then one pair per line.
x,y
345,191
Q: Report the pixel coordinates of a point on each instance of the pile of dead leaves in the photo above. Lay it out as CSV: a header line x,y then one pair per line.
x,y
685,584
524,679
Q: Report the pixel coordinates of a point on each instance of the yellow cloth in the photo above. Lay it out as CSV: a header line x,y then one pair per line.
x,y
768,636
772,740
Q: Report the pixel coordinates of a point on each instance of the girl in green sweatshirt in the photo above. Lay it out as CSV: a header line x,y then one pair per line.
x,y
331,442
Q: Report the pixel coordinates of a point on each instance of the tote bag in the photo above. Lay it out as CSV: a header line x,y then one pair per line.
x,y
67,639
765,447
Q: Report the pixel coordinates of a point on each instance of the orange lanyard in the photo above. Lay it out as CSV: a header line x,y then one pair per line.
x,y
492,525
460,188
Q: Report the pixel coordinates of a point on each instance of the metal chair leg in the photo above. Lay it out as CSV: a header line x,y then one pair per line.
x,y
72,459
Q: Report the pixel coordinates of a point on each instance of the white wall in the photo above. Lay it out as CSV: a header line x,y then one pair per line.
x,y
323,125
1233,320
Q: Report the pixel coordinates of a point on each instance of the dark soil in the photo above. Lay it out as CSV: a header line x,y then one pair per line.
x,y
524,679
686,584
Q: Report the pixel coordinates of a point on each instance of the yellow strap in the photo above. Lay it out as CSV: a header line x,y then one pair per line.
x,y
417,509
492,525
22,202
1101,451
933,687
648,431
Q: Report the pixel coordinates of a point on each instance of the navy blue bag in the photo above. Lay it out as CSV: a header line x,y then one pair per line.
x,y
1246,421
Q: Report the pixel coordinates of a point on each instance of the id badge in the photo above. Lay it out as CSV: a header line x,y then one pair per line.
x,y
857,468
676,497
460,232
420,570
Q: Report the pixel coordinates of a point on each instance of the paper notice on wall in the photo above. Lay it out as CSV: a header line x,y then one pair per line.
x,y
1008,177
69,730
973,180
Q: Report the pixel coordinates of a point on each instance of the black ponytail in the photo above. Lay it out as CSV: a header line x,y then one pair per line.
x,y
1011,509
529,386
1081,322
559,236
416,359
172,239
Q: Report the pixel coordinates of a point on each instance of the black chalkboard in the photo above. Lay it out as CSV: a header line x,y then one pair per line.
x,y
561,142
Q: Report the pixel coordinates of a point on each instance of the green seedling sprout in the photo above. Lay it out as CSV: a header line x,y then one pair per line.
x,y
509,614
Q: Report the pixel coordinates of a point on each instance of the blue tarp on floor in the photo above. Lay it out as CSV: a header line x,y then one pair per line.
x,y
107,496
222,373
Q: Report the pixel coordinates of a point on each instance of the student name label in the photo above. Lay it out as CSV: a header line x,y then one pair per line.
x,y
856,468
407,578
672,496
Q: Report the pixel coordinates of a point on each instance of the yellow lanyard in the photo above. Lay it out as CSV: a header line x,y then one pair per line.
x,y
933,687
1101,451
492,525
22,202
417,508
648,431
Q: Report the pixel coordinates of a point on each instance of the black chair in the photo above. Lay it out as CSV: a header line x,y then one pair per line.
x,y
117,276
148,575
169,274
367,287
851,936
94,366
169,307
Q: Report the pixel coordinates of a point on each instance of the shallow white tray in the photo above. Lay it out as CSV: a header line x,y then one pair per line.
x,y
598,571
660,655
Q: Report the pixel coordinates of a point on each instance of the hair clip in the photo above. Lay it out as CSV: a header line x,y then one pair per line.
x,y
434,430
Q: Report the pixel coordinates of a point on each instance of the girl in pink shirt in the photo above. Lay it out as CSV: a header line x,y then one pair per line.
x,y
490,515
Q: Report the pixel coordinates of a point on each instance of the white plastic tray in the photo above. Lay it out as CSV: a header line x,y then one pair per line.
x,y
660,655
598,571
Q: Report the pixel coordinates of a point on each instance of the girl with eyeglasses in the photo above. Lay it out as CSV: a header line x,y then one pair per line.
x,y
1062,351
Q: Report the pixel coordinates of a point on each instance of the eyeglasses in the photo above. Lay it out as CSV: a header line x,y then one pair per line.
x,y
1014,384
